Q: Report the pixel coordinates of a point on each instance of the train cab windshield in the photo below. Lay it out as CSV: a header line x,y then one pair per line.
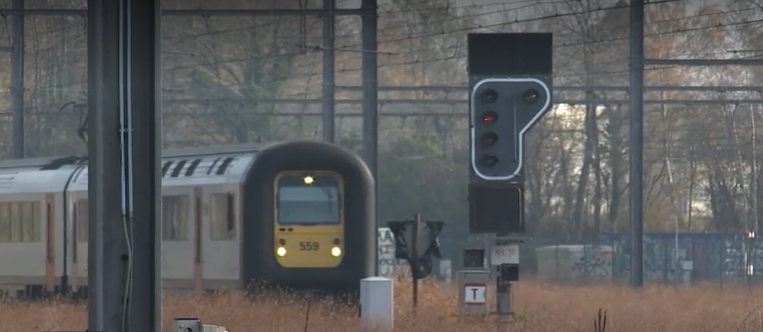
x,y
308,199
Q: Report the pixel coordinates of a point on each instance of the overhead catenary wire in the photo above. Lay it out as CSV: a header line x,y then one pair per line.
x,y
392,37
461,57
466,29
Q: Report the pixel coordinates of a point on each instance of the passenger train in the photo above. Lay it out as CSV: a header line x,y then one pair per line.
x,y
298,215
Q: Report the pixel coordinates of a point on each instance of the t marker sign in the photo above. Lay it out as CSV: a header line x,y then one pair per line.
x,y
475,294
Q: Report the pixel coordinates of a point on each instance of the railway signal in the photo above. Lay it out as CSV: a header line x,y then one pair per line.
x,y
510,90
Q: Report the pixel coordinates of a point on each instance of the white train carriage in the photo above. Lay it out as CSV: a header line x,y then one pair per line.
x,y
44,220
32,239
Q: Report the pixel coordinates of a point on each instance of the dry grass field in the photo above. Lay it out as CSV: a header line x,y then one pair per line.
x,y
538,307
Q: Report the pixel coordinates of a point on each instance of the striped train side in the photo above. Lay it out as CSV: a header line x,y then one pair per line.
x,y
44,221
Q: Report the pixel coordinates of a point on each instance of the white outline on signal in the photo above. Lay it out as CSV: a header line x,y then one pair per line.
x,y
535,118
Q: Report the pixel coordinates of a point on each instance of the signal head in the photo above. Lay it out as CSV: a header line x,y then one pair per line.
x,y
489,96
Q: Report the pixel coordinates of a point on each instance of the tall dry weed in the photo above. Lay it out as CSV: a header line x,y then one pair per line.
x,y
538,308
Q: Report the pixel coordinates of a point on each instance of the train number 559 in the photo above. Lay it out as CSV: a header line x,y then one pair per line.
x,y
308,246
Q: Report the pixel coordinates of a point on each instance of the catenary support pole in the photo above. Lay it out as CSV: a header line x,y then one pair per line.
x,y
329,123
370,93
106,272
17,79
637,142
124,112
146,180
756,181
754,195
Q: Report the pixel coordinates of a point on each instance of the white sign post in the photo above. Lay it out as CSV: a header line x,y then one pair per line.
x,y
377,304
472,291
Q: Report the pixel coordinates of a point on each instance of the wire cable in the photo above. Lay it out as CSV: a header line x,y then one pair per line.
x,y
571,44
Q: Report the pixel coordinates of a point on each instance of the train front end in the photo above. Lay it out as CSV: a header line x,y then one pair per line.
x,y
309,219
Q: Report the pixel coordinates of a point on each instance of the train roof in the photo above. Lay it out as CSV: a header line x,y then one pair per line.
x,y
52,163
180,166
228,149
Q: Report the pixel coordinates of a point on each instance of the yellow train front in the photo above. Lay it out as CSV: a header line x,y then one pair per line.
x,y
309,219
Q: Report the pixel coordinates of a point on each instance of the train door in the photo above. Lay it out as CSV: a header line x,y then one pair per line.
x,y
79,212
198,240
178,234
221,247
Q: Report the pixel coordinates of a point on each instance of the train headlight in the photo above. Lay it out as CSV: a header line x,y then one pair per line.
x,y
281,251
336,252
308,180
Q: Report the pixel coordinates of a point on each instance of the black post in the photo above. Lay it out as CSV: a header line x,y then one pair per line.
x,y
329,125
370,92
415,255
17,79
636,175
124,271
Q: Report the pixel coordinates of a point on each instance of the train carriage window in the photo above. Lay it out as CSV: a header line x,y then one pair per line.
x,y
175,218
315,201
222,216
5,222
83,220
20,222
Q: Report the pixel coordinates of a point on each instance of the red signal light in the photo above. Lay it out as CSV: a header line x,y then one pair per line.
x,y
489,117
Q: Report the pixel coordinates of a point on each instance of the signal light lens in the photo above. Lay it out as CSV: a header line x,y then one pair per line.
x,y
489,161
489,139
489,117
531,96
489,96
